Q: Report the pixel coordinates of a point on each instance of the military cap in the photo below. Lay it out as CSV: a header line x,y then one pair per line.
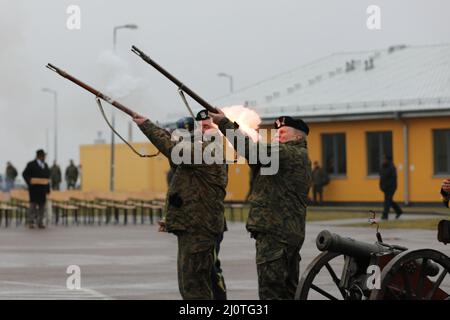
x,y
202,115
40,152
186,123
286,121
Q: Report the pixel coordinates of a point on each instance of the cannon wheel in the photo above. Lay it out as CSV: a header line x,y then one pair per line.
x,y
306,282
401,279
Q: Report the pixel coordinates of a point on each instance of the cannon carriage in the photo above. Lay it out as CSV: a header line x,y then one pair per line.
x,y
361,271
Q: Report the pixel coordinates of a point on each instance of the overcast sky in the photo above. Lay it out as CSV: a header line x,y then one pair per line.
x,y
194,40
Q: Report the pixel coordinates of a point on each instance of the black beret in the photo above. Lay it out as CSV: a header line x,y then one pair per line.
x,y
286,121
202,115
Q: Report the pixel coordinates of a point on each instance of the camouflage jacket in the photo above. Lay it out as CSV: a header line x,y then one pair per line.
x,y
195,198
278,202
55,174
71,173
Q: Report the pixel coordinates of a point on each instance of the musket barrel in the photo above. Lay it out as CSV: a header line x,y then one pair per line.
x,y
95,92
177,82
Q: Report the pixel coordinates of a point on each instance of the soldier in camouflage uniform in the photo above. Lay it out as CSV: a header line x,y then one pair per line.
x,y
55,176
71,176
278,206
218,282
195,212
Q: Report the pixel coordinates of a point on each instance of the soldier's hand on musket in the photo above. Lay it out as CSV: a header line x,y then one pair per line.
x,y
217,117
446,185
162,226
139,119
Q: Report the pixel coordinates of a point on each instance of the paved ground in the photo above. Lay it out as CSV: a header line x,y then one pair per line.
x,y
136,262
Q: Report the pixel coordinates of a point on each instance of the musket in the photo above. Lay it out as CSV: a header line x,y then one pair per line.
x,y
181,86
95,92
99,95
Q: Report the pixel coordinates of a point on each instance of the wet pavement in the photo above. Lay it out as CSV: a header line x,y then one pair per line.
x,y
137,262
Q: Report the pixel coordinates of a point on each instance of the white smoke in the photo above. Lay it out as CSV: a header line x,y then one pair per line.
x,y
247,119
119,81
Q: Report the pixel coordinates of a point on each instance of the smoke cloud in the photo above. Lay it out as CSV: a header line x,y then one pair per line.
x,y
117,76
247,119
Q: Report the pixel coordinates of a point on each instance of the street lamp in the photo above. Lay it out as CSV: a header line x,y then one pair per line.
x,y
113,118
55,96
126,26
223,74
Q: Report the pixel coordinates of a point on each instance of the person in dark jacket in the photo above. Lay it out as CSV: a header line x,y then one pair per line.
x,y
445,192
37,177
388,184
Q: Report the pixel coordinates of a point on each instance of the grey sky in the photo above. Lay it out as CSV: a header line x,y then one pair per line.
x,y
196,39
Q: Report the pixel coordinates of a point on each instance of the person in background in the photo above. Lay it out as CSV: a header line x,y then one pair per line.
x,y
319,180
10,177
388,184
445,192
71,176
55,176
37,177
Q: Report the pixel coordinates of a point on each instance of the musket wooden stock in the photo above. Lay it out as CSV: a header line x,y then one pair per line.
x,y
95,92
169,76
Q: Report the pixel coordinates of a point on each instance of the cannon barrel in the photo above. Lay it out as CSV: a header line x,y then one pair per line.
x,y
327,241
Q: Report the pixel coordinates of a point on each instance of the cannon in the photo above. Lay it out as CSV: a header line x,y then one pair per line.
x,y
348,269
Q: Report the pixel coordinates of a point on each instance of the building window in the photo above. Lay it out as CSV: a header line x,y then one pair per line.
x,y
441,142
334,159
379,144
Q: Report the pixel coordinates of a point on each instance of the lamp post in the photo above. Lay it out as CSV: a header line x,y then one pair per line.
x,y
126,26
230,77
55,99
113,117
46,140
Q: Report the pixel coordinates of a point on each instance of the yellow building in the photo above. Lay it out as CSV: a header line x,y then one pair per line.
x,y
359,106
413,143
142,174
132,173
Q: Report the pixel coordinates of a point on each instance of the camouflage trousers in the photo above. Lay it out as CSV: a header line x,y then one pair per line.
x,y
218,282
196,259
278,266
